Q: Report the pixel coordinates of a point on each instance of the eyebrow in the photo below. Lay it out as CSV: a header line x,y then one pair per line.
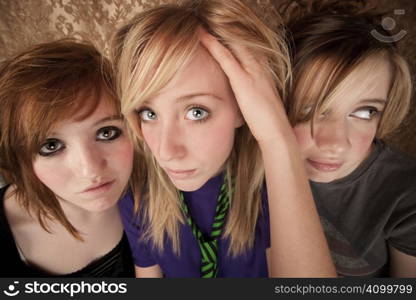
x,y
374,101
105,119
189,97
109,118
196,95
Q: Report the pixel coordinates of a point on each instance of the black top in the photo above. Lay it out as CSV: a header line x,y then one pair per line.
x,y
368,210
116,263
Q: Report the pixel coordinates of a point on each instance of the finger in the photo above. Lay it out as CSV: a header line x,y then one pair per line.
x,y
240,61
223,56
248,61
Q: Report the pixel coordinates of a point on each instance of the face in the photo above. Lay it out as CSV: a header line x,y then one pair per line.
x,y
189,126
343,135
87,163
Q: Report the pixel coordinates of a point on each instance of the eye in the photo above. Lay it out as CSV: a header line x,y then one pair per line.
x,y
197,114
365,113
108,133
51,147
147,115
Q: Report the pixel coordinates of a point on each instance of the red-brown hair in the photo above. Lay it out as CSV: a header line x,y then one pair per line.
x,y
46,84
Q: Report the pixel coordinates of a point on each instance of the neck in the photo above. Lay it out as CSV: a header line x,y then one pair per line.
x,y
79,216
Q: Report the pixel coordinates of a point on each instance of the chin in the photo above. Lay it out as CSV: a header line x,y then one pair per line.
x,y
102,206
322,178
188,185
326,179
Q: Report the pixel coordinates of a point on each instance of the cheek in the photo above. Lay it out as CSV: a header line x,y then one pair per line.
x,y
118,156
122,157
50,174
213,141
150,137
362,139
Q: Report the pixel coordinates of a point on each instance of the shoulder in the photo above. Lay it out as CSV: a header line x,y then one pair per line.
x,y
5,206
396,158
128,206
13,266
13,212
126,202
132,215
395,169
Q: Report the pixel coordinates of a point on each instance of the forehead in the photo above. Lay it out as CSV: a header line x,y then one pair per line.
x,y
330,85
371,79
89,110
201,75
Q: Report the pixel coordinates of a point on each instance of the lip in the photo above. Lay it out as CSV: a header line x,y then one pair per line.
x,y
99,188
179,174
324,165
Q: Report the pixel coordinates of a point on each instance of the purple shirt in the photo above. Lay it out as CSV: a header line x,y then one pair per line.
x,y
201,204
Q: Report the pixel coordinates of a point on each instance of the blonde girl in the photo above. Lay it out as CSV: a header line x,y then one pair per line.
x,y
197,81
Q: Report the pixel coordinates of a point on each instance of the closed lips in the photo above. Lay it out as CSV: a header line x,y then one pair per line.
x,y
180,174
97,186
324,165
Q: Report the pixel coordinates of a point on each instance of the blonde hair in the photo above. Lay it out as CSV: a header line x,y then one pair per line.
x,y
332,42
40,87
148,51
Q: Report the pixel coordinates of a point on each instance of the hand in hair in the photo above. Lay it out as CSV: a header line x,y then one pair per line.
x,y
298,246
254,89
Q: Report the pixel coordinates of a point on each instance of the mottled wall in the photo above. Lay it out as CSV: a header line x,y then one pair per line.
x,y
405,137
26,22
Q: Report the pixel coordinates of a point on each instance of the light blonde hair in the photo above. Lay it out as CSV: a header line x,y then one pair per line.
x,y
148,51
40,87
331,43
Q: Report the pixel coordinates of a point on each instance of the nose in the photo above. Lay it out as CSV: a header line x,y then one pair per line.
x,y
171,143
331,136
88,161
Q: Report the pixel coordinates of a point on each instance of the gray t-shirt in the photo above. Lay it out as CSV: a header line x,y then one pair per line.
x,y
371,208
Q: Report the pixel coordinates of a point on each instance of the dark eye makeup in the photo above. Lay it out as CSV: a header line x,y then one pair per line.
x,y
51,147
108,133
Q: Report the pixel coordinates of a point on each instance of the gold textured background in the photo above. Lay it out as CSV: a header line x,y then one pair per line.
x,y
27,22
